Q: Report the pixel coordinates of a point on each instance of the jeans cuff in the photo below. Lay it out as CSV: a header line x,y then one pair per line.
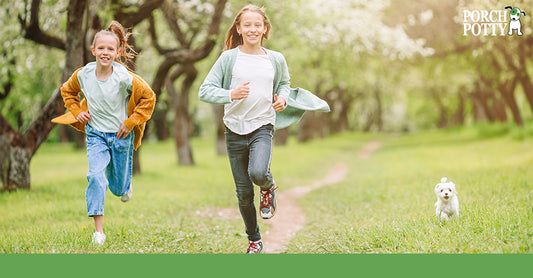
x,y
91,214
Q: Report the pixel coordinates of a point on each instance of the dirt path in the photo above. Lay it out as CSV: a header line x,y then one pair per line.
x,y
290,218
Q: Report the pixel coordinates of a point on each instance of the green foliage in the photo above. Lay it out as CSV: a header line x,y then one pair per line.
x,y
490,130
523,134
499,129
33,75
33,83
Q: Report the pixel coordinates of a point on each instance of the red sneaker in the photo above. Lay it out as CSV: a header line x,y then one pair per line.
x,y
255,247
267,207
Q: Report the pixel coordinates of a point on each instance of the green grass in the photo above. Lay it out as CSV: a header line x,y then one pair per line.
x,y
385,204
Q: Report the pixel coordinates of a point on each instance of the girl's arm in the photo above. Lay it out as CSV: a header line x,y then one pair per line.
x,y
211,90
70,91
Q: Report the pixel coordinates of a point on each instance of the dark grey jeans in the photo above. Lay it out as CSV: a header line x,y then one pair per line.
x,y
249,157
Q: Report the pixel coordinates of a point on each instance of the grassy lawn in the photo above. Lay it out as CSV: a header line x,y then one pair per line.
x,y
385,204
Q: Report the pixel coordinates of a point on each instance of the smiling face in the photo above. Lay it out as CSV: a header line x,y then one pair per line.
x,y
252,28
105,49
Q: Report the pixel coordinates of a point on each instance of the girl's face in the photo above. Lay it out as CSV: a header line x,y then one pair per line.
x,y
105,49
251,28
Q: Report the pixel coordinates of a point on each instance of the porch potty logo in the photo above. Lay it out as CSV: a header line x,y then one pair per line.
x,y
493,22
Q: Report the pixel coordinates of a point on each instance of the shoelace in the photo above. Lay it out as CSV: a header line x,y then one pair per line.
x,y
266,201
253,247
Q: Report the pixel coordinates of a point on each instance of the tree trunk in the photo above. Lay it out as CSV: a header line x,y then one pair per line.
x,y
524,78
483,98
520,68
181,108
14,164
443,113
506,87
281,136
159,119
379,110
507,91
499,109
184,57
307,127
458,117
528,87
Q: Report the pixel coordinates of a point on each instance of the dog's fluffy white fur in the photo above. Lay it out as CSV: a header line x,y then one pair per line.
x,y
447,202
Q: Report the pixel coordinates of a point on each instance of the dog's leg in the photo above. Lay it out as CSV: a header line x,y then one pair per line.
x,y
441,215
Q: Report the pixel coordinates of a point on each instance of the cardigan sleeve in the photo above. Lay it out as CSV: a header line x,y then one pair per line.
x,y
142,102
283,88
70,91
212,90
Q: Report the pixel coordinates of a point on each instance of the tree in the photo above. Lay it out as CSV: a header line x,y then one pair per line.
x,y
186,22
16,149
487,69
350,59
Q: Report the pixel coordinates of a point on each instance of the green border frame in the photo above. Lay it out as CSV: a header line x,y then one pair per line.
x,y
266,265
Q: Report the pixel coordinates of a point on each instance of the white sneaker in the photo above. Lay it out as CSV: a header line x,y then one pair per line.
x,y
98,238
127,196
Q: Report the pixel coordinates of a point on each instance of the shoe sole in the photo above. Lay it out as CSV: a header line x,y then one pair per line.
x,y
266,216
125,198
98,242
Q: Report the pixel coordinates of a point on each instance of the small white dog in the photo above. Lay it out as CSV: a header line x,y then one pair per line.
x,y
447,202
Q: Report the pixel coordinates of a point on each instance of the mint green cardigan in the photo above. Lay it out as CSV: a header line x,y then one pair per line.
x,y
215,88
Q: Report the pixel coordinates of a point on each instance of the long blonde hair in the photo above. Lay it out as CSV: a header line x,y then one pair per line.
x,y
233,38
126,52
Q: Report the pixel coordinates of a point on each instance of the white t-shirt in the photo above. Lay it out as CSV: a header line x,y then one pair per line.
x,y
246,115
107,99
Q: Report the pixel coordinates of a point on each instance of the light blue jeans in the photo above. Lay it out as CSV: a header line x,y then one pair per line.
x,y
110,165
249,156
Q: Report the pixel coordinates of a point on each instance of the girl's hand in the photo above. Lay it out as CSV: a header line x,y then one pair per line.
x,y
279,103
83,117
241,92
123,131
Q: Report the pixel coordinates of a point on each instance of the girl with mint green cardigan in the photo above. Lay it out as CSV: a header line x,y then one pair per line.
x,y
253,84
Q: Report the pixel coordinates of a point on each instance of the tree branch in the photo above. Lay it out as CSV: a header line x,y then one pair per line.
x,y
36,134
5,126
130,19
172,21
507,57
33,30
153,36
214,27
186,56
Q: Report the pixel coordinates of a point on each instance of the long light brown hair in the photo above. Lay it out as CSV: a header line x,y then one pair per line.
x,y
126,52
233,38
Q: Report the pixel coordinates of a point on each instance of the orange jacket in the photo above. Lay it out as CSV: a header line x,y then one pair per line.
x,y
140,106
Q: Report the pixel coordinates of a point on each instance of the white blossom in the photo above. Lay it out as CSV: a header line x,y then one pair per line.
x,y
359,24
